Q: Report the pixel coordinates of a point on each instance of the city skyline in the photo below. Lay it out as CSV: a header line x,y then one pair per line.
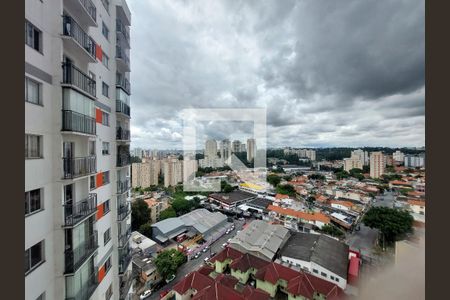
x,y
220,57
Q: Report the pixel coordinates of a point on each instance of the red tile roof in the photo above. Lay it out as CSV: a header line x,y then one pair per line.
x,y
299,214
228,252
272,272
194,280
281,196
248,261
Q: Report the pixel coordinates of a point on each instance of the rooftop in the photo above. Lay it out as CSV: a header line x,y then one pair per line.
x,y
232,197
299,214
320,249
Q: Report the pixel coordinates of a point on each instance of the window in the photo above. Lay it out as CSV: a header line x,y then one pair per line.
x,y
92,148
106,5
107,264
33,91
106,207
33,201
105,148
109,292
332,277
105,89
92,184
105,31
316,271
106,236
105,60
323,274
33,36
33,146
105,177
337,279
105,118
34,256
41,296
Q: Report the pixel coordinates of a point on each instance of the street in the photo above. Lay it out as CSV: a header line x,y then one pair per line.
x,y
194,264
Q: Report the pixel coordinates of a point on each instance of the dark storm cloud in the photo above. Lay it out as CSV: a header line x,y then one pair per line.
x,y
328,72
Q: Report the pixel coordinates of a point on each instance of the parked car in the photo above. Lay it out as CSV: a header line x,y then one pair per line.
x,y
227,232
212,254
170,278
228,240
197,255
206,259
224,245
145,294
205,249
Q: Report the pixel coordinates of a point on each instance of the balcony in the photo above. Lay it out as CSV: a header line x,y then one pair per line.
x,y
124,259
84,10
74,213
123,83
123,186
74,77
76,122
76,38
123,210
123,61
74,258
84,291
79,166
124,237
122,134
123,159
123,108
123,12
123,33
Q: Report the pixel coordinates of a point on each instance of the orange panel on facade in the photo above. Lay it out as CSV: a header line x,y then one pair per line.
x,y
99,211
101,274
99,52
98,115
99,180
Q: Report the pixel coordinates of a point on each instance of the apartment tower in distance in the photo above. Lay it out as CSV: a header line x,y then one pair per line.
x,y
377,164
77,91
251,149
211,149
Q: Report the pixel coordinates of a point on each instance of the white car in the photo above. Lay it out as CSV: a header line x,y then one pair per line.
x,y
145,294
205,249
206,259
227,232
224,245
228,240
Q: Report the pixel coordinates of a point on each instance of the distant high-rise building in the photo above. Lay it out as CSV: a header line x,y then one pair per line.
x,y
414,161
243,147
137,152
362,155
211,148
173,172
251,149
301,153
398,156
145,174
377,164
225,149
190,166
353,162
236,146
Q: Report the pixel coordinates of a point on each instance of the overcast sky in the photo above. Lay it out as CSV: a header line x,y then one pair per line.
x,y
329,73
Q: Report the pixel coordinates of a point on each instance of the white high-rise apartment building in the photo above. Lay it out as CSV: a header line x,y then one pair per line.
x,y
362,155
77,91
225,150
377,164
173,172
251,149
414,161
353,162
211,148
145,174
398,156
236,146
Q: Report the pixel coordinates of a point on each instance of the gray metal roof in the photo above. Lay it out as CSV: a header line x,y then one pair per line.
x,y
260,236
167,225
202,220
320,249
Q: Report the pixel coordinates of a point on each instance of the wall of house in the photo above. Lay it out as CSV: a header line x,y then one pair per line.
x,y
266,286
243,277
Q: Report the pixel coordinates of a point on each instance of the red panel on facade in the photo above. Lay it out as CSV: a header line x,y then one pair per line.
x,y
98,115
98,52
101,274
353,270
99,212
99,180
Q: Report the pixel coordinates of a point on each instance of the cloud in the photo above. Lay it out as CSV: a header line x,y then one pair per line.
x,y
330,73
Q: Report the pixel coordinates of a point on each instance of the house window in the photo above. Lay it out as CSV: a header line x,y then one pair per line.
x,y
316,271
105,31
106,207
323,274
34,256
106,5
107,264
33,201
337,279
105,176
33,91
107,236
92,184
105,89
332,277
109,292
33,36
41,296
105,60
105,148
33,146
105,118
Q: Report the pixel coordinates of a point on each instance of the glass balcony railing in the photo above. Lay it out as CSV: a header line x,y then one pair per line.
x,y
123,186
74,258
77,122
79,166
123,210
85,289
123,83
123,108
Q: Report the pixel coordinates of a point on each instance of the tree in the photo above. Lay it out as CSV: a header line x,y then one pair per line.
x,y
273,179
225,187
140,214
332,230
392,223
146,229
168,261
167,213
342,174
316,177
181,206
135,159
285,189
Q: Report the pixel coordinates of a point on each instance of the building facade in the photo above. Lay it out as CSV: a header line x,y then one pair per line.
x,y
225,150
251,149
145,174
352,163
377,164
210,149
173,172
77,135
